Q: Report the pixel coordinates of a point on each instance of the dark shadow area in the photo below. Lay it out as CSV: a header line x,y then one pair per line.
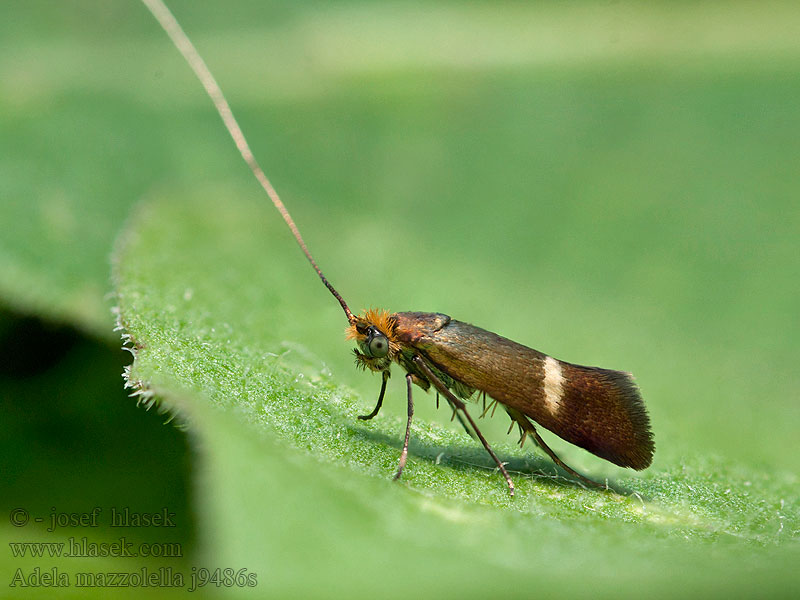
x,y
465,457
72,440
29,346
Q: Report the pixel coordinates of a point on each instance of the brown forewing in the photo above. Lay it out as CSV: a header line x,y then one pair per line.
x,y
599,409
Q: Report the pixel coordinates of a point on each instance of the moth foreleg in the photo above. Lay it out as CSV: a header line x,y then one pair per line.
x,y
459,404
404,453
380,399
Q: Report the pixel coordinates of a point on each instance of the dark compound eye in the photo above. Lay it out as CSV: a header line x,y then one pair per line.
x,y
376,343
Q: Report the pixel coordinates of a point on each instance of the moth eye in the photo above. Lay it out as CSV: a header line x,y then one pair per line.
x,y
377,344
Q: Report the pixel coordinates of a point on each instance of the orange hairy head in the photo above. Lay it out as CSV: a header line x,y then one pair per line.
x,y
379,318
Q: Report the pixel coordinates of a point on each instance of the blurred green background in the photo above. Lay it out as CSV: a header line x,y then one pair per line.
x,y
611,183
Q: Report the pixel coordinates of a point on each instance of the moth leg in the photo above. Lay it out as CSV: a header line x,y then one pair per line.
x,y
380,399
528,428
404,453
463,408
457,415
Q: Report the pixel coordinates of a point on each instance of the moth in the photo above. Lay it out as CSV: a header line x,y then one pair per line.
x,y
597,409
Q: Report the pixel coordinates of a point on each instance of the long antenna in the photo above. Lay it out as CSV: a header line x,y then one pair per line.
x,y
192,56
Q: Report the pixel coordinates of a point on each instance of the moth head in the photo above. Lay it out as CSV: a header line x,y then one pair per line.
x,y
373,331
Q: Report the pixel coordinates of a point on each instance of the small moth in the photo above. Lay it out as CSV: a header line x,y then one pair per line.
x,y
597,409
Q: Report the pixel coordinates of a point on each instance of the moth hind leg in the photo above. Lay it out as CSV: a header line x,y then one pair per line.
x,y
527,428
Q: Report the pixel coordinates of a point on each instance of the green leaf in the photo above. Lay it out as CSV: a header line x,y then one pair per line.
x,y
613,185
294,487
